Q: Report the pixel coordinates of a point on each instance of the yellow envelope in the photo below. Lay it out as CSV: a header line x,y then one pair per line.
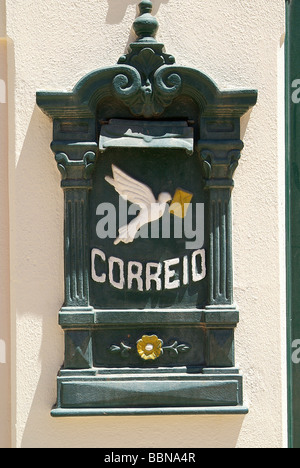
x,y
180,203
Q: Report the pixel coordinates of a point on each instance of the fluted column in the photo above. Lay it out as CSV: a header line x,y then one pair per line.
x,y
76,183
220,159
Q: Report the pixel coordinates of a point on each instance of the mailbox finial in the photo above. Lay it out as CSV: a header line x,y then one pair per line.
x,y
145,6
146,25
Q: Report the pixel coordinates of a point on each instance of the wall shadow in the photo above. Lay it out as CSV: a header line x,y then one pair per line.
x,y
2,18
117,9
244,123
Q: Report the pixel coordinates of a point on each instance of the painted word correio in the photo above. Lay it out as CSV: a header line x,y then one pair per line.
x,y
169,274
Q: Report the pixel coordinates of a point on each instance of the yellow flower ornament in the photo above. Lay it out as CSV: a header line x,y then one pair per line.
x,y
149,347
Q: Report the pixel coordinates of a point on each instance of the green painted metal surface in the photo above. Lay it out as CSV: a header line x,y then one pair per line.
x,y
293,216
147,123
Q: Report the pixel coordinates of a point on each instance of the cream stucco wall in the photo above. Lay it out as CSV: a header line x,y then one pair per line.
x,y
52,45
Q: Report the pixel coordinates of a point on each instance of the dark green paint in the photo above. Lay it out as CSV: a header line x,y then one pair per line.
x,y
175,170
293,216
147,394
196,373
106,338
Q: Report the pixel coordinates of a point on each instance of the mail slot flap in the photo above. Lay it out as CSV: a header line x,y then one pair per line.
x,y
120,133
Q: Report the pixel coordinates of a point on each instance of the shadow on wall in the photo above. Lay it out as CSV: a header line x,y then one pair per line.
x,y
117,9
2,18
39,264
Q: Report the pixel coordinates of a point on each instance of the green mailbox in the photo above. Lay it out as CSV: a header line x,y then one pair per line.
x,y
147,150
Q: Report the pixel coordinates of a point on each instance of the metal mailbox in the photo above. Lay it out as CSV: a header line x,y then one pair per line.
x,y
147,150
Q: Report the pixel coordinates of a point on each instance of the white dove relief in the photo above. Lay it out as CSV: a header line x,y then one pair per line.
x,y
141,195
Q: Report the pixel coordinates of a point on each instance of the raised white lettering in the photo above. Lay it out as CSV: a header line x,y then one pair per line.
x,y
196,276
169,274
120,283
153,276
96,278
185,279
135,276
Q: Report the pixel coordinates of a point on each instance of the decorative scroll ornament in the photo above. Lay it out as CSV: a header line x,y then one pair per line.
x,y
122,349
221,168
150,348
79,169
148,87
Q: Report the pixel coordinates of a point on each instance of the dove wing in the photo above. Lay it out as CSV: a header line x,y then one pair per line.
x,y
130,189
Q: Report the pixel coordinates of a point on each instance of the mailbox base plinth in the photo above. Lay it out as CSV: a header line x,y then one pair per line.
x,y
149,391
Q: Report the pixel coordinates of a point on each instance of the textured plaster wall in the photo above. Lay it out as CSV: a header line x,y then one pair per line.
x,y
237,43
